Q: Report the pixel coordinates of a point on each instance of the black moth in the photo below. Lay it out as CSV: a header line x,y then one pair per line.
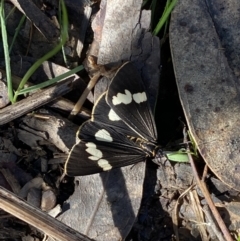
x,y
121,131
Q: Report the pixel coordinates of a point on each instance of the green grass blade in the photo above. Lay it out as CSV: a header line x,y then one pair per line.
x,y
64,35
153,8
61,22
16,32
6,52
11,12
144,3
164,17
51,81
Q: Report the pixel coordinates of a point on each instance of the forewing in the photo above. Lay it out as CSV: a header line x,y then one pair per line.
x,y
127,97
101,148
103,113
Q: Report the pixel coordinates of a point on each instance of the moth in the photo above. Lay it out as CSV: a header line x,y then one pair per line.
x,y
121,130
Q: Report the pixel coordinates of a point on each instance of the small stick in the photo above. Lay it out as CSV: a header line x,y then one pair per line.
x,y
36,100
205,172
206,194
66,105
84,95
213,224
19,208
100,70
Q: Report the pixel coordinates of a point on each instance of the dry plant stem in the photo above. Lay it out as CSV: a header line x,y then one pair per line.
x,y
175,212
213,224
84,95
207,196
205,172
197,209
67,105
34,101
35,217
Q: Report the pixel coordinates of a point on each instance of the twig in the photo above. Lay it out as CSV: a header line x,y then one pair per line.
x,y
84,95
213,224
207,196
19,208
99,70
67,106
205,172
34,101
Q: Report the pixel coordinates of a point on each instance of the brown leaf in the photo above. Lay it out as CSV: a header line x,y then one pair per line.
x,y
202,39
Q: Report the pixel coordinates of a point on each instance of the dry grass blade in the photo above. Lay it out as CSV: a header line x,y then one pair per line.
x,y
201,225
175,212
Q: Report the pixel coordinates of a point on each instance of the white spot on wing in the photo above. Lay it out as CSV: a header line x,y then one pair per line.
x,y
113,116
122,98
92,149
140,97
104,164
96,156
103,135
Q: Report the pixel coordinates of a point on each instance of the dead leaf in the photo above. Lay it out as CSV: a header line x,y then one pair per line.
x,y
207,77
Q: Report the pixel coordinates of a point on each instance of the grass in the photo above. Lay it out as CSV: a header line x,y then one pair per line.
x,y
6,51
16,32
165,16
37,64
63,38
51,81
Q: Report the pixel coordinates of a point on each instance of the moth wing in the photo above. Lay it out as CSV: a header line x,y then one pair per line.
x,y
101,148
103,113
127,97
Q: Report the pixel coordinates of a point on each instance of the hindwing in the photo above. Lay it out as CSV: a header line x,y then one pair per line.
x,y
101,148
